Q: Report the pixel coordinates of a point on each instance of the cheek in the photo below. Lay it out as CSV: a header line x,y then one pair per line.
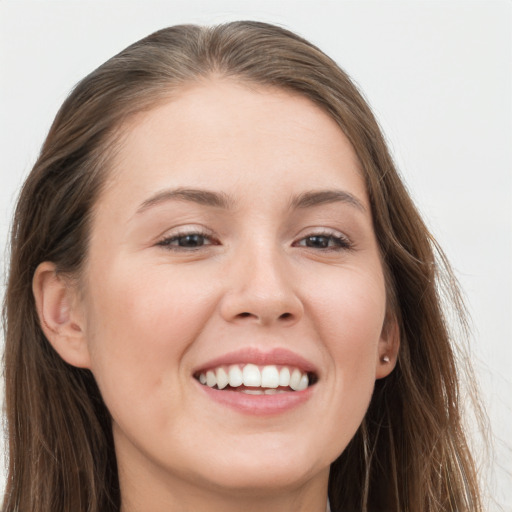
x,y
357,327
140,325
348,308
350,324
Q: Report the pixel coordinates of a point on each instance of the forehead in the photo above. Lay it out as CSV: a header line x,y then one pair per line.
x,y
222,134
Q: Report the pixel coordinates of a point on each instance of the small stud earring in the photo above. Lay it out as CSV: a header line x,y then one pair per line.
x,y
385,359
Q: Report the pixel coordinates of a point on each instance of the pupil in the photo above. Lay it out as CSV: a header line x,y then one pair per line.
x,y
191,241
317,241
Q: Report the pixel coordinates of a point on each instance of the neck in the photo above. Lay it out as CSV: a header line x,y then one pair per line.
x,y
143,492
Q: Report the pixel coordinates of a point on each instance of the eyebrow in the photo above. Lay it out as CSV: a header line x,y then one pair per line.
x,y
223,201
316,198
204,197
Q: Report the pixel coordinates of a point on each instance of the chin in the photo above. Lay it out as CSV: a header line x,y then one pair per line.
x,y
258,479
249,473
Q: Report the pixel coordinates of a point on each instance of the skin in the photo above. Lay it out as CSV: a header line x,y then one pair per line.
x,y
148,314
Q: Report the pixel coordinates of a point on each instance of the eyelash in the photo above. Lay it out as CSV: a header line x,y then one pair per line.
x,y
341,242
168,242
172,243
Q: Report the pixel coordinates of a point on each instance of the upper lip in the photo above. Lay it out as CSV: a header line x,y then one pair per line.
x,y
276,356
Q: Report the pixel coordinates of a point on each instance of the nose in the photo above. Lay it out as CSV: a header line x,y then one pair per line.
x,y
261,291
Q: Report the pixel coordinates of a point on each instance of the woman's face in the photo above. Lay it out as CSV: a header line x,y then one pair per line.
x,y
234,240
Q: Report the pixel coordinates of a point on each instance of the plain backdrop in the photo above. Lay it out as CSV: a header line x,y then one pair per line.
x,y
438,75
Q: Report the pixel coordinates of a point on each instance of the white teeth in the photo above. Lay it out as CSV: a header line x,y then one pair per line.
x,y
284,377
269,377
222,378
235,376
252,391
210,379
295,379
274,391
251,375
304,382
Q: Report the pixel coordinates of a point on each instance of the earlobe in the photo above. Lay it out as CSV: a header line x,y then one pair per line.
x,y
389,345
60,316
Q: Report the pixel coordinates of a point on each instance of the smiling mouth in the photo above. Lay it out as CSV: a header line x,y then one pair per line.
x,y
256,380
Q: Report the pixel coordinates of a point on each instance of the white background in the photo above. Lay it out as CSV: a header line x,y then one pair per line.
x,y
438,75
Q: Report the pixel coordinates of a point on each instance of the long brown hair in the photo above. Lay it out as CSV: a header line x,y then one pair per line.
x,y
409,454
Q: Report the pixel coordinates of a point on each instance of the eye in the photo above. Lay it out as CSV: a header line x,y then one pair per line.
x,y
325,241
186,241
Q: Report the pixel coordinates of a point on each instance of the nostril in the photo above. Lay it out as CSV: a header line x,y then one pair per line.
x,y
245,314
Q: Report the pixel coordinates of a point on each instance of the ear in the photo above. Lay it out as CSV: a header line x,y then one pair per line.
x,y
389,345
60,314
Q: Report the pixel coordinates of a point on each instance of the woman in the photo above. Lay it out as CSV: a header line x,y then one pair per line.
x,y
221,296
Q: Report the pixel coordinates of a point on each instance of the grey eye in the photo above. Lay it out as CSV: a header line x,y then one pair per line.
x,y
186,241
193,240
318,242
324,242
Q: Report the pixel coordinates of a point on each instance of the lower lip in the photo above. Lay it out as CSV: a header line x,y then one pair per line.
x,y
258,405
